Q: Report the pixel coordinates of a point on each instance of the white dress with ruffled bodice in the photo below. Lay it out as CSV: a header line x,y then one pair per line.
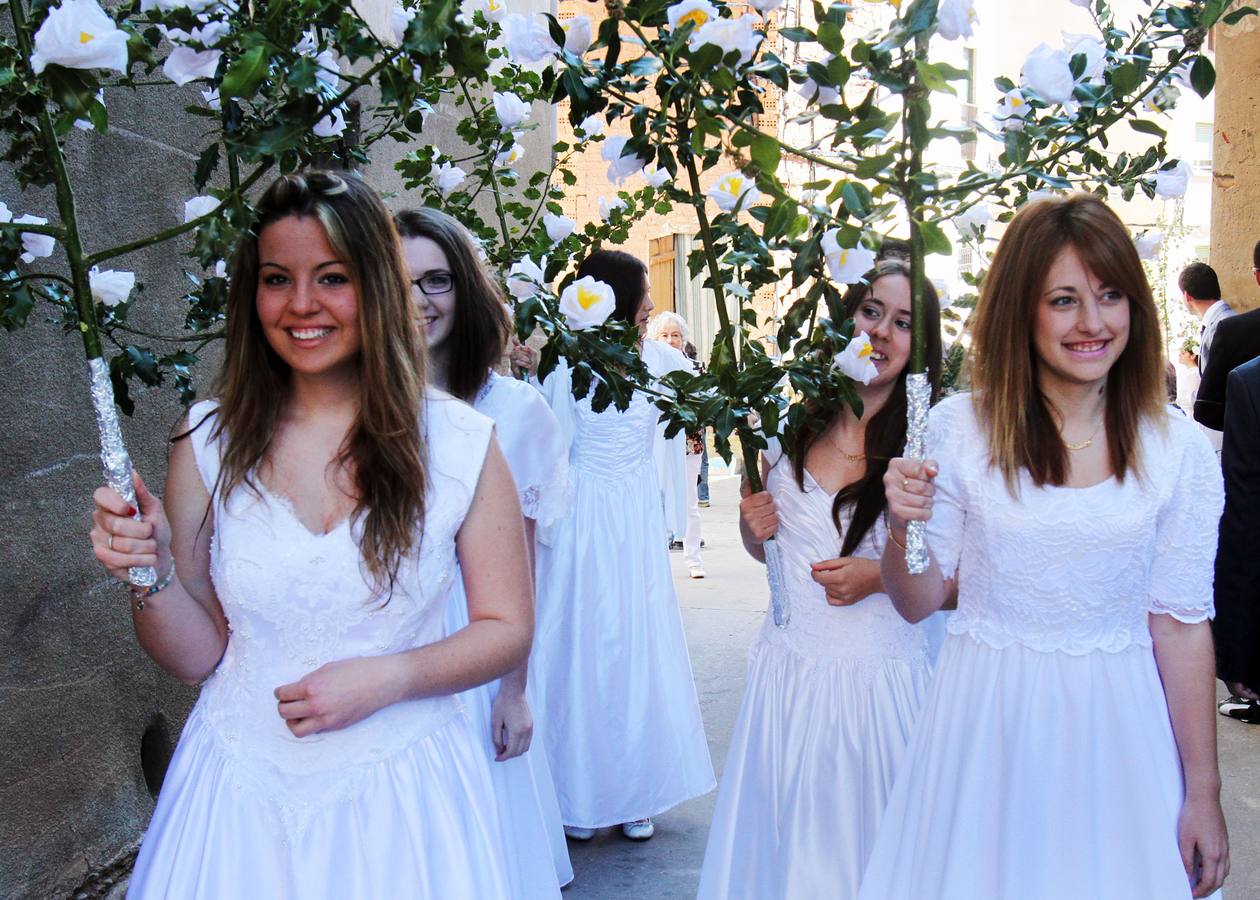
x,y
623,728
1043,765
827,713
399,804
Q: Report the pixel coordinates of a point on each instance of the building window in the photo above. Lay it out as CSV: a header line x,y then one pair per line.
x,y
1203,133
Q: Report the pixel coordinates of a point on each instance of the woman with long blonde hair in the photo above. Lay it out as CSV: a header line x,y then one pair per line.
x,y
1068,745
316,517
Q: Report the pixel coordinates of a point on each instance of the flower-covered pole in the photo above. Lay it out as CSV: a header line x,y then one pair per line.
x,y
114,456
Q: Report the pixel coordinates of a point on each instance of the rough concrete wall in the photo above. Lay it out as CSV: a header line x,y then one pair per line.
x,y
1236,162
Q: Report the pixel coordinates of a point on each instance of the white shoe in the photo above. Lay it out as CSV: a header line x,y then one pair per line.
x,y
696,572
639,830
579,834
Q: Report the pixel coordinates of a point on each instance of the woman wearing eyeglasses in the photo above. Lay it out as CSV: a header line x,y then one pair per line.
x,y
465,321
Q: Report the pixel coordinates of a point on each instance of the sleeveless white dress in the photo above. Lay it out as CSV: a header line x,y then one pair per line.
x,y
826,717
399,804
1043,765
624,734
537,853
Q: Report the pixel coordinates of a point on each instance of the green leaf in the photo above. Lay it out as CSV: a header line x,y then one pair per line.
x,y
1239,14
207,162
1145,127
245,74
1125,78
797,35
932,76
766,152
934,239
857,199
831,38
1202,76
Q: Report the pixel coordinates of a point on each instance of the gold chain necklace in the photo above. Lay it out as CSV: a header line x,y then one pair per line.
x,y
1081,445
851,457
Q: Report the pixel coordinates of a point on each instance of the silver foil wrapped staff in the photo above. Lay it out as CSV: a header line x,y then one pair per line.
x,y
780,603
918,401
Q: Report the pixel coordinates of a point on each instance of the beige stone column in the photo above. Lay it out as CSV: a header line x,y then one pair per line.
x,y
1236,161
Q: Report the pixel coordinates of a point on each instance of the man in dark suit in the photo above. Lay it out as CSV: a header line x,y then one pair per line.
x,y
1237,340
1237,586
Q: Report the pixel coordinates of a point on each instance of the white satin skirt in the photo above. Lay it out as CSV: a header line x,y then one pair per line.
x,y
812,761
421,823
1036,775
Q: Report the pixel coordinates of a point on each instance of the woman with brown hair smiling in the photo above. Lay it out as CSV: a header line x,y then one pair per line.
x,y
1068,745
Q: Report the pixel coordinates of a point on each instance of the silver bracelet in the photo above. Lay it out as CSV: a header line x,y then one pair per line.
x,y
140,594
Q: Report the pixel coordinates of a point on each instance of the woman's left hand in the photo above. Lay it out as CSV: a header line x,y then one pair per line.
x,y
1204,844
511,723
847,579
338,694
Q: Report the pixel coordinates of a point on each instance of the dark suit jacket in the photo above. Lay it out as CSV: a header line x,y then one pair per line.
x,y
1237,587
1237,340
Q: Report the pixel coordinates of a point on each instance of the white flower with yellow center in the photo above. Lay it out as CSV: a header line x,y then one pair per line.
x,y
734,192
655,176
577,34
110,287
730,35
954,19
510,157
78,34
1012,110
855,360
847,265
587,303
690,12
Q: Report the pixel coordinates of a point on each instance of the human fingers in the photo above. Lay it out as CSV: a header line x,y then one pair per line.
x,y
305,727
148,503
122,526
120,554
110,501
296,690
1213,863
498,731
295,709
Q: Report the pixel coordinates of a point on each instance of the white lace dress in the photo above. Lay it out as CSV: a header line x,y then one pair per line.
x,y
1043,765
399,804
537,854
827,713
624,734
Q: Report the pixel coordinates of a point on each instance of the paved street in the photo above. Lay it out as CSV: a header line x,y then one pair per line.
x,y
721,614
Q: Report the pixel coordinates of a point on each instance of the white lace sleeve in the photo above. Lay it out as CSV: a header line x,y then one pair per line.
x,y
950,441
536,449
1186,531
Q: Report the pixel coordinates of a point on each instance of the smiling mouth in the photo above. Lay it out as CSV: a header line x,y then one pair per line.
x,y
308,334
427,321
1087,346
876,356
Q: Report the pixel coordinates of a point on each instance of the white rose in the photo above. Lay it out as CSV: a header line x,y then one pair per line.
x,y
527,40
847,265
577,34
587,303
558,227
220,269
1094,51
655,176
186,64
171,5
212,99
332,124
970,222
400,20
730,35
525,278
855,359
591,126
734,192
78,34
448,176
1172,183
690,12
199,206
510,109
493,10
1048,73
509,157
328,71
608,207
1013,110
37,246
619,167
109,287
1149,243
954,19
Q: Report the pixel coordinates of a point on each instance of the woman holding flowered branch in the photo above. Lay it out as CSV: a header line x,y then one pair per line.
x,y
465,323
624,733
319,511
832,696
1068,744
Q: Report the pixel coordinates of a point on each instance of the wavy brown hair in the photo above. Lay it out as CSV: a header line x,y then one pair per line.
x,y
384,451
1015,414
479,333
885,434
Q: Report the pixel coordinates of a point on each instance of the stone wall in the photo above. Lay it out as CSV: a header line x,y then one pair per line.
x,y
1236,161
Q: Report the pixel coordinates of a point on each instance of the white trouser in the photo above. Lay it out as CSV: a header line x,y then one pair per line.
x,y
691,542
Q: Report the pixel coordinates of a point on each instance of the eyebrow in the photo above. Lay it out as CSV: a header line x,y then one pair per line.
x,y
331,262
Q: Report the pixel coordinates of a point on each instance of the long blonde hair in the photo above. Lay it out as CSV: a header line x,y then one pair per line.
x,y
1022,432
384,451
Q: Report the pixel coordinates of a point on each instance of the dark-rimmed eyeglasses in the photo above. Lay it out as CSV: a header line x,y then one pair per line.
x,y
434,282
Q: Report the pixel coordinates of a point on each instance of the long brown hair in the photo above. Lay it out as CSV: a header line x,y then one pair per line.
x,y
480,329
624,273
885,434
1015,414
384,450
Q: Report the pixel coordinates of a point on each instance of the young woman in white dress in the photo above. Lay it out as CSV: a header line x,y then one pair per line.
x,y
624,734
315,517
672,329
1068,744
466,328
831,697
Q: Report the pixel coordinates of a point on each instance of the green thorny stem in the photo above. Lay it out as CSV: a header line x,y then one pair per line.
x,y
493,177
65,206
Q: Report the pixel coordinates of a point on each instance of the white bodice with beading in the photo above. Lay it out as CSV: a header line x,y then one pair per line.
x,y
1074,569
296,600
